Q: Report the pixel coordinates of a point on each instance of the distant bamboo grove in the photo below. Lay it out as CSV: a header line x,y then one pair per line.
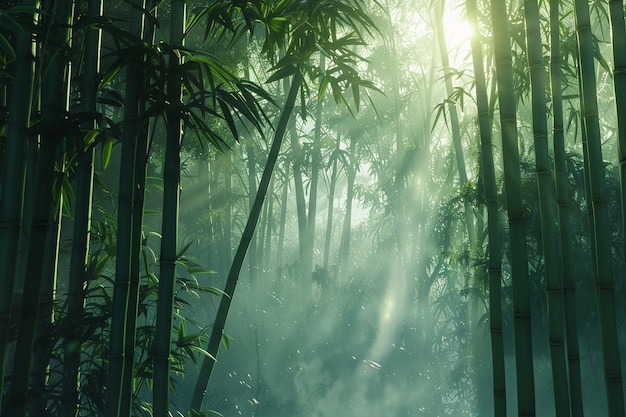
x,y
422,219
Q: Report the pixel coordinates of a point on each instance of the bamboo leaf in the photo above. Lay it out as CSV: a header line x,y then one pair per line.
x,y
107,148
90,138
203,352
109,76
282,73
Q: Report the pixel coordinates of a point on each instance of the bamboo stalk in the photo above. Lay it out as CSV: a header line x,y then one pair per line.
x,y
562,193
121,285
233,275
82,218
13,173
140,166
595,177
547,198
331,205
515,210
55,97
493,217
618,41
169,229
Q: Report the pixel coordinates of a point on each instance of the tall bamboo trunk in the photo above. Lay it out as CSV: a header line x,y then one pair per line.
x,y
233,275
122,283
515,209
454,123
618,41
55,104
547,198
316,161
262,229
252,187
297,157
169,228
41,354
474,301
562,193
140,166
130,333
283,218
13,172
226,228
82,217
493,217
595,176
38,401
343,257
269,228
331,205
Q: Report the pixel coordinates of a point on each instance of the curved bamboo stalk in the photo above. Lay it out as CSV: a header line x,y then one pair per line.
x,y
515,209
493,218
595,177
562,193
244,243
547,199
13,173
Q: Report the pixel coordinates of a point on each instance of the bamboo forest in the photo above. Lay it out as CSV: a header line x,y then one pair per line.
x,y
312,208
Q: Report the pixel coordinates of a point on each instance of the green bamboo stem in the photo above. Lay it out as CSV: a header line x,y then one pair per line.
x,y
600,219
493,217
55,102
516,212
139,175
331,206
316,161
252,187
454,123
169,228
41,358
13,173
547,198
233,275
562,193
618,41
121,285
139,190
474,302
343,255
283,217
267,250
297,158
82,217
226,249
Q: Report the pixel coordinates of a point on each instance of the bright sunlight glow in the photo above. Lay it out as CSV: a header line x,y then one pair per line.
x,y
458,33
414,26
